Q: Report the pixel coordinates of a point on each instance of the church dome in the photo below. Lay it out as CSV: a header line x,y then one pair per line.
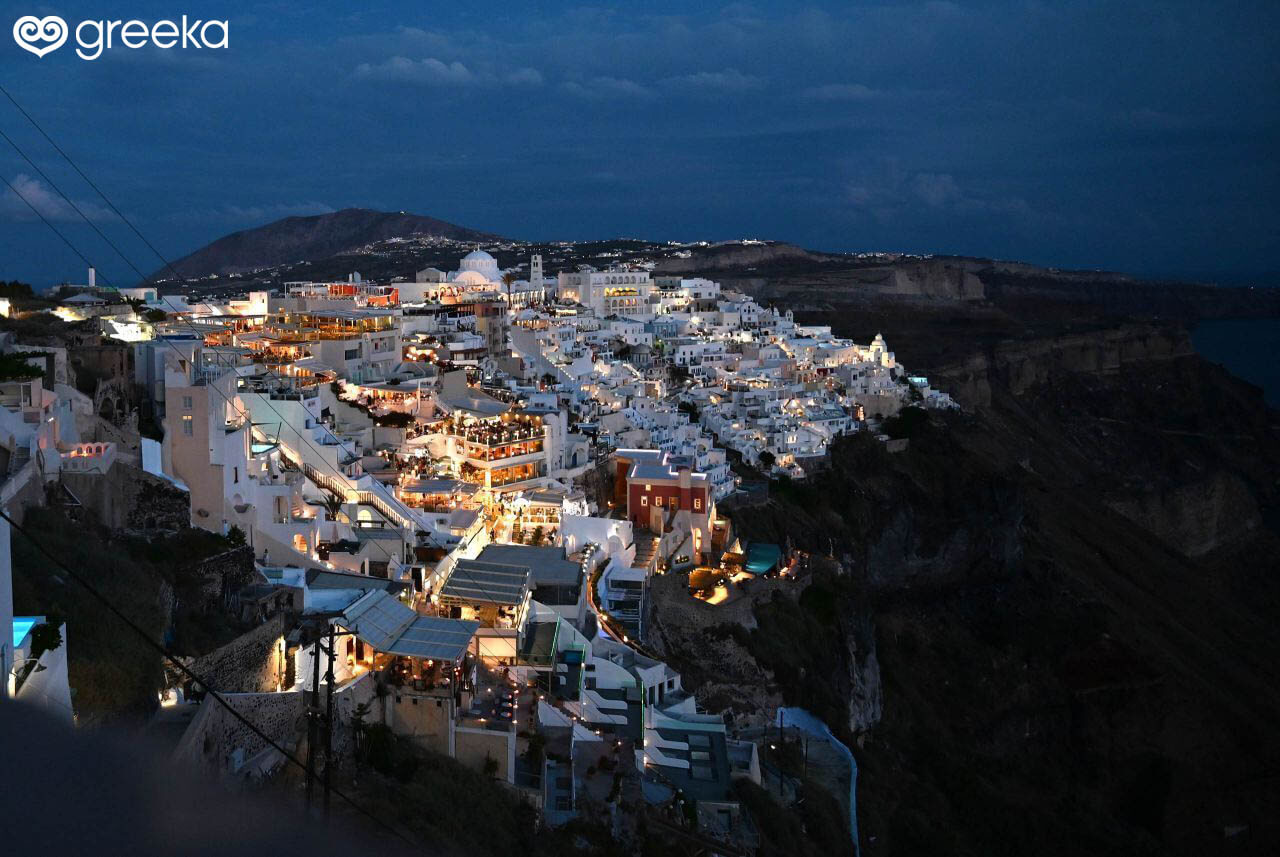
x,y
481,263
470,278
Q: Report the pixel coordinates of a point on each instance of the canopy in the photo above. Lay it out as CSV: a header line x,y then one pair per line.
x,y
392,628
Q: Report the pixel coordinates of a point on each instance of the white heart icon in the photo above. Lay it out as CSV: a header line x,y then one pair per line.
x,y
28,30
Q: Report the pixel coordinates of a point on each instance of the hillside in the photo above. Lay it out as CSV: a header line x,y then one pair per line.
x,y
880,283
296,239
1050,624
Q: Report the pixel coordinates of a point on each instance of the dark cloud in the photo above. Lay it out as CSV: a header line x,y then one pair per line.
x,y
1137,136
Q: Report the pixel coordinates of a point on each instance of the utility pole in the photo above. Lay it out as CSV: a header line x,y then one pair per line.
x,y
328,725
805,739
312,725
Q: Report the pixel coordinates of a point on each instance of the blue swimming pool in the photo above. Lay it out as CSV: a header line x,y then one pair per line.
x,y
22,626
762,558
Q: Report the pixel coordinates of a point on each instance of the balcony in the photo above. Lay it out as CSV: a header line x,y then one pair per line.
x,y
496,433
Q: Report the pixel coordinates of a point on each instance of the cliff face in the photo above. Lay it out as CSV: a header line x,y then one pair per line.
x,y
1050,623
807,280
726,257
1019,366
1197,518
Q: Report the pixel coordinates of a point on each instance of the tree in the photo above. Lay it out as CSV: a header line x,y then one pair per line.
x,y
507,280
16,290
332,504
46,636
235,536
358,726
766,459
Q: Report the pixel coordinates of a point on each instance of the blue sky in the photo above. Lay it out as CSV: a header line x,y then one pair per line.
x,y
1135,136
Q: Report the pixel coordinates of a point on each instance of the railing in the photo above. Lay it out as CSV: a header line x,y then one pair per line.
x,y
384,507
328,483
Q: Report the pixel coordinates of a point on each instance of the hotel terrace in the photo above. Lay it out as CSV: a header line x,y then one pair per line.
x,y
497,452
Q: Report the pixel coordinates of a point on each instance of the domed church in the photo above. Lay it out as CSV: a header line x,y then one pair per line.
x,y
476,268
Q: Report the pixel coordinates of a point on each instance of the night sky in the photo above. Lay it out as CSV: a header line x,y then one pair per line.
x,y
1139,136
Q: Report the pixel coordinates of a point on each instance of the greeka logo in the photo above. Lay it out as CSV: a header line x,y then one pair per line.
x,y
42,36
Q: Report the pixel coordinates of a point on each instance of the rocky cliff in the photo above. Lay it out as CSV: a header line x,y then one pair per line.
x,y
1049,626
1017,366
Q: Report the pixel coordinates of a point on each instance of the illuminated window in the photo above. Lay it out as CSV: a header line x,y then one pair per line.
x,y
697,504
644,501
657,501
188,425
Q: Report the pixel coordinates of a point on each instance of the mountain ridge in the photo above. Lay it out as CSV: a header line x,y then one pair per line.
x,y
304,238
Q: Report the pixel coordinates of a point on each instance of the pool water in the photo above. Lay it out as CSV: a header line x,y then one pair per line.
x,y
22,626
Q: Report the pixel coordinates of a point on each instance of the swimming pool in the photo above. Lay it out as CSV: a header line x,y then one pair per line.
x,y
22,626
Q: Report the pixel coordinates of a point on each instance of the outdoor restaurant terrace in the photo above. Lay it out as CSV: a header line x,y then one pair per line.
x,y
328,324
510,427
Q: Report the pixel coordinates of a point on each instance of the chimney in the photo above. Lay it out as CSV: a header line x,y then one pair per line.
x,y
93,278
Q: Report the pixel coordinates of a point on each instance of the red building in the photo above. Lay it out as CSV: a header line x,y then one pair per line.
x,y
659,488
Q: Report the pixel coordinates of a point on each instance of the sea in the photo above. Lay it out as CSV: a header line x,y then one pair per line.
x,y
1248,347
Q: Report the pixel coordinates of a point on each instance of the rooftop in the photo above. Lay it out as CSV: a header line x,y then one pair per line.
x,y
476,582
547,564
390,627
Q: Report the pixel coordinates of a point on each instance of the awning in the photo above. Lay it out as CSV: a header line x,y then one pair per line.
x,y
390,627
473,582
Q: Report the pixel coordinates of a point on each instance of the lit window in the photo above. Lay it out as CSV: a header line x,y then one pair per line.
x,y
644,501
697,504
657,501
188,425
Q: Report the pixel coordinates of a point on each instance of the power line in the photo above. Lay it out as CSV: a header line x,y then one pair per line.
x,y
187,671
266,400
67,241
120,253
71,203
119,614
37,213
90,182
135,268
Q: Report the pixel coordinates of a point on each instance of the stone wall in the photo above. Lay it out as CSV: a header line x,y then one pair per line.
x,y
128,498
215,735
473,746
219,576
251,663
426,721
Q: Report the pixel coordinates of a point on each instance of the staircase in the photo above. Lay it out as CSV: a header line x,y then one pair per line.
x,y
21,455
646,549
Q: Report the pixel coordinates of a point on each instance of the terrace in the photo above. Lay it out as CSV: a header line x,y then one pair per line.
x,y
335,324
498,703
509,428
